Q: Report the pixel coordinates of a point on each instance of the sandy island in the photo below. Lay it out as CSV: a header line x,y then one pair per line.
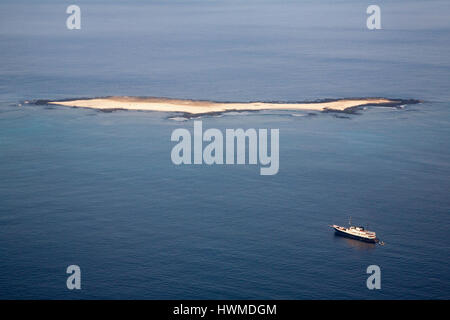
x,y
195,107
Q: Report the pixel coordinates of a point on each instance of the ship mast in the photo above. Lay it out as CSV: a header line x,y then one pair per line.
x,y
350,221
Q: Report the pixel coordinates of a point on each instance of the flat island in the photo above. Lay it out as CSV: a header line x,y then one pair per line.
x,y
195,107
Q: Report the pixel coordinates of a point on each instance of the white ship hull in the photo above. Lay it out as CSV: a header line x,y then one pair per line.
x,y
357,233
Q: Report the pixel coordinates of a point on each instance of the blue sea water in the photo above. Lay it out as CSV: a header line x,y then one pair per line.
x,y
99,189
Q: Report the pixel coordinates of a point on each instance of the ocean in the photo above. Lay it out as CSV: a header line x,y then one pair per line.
x,y
99,190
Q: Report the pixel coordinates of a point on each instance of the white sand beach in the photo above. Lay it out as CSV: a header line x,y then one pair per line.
x,y
201,107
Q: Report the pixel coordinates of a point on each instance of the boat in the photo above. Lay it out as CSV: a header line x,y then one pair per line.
x,y
354,232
